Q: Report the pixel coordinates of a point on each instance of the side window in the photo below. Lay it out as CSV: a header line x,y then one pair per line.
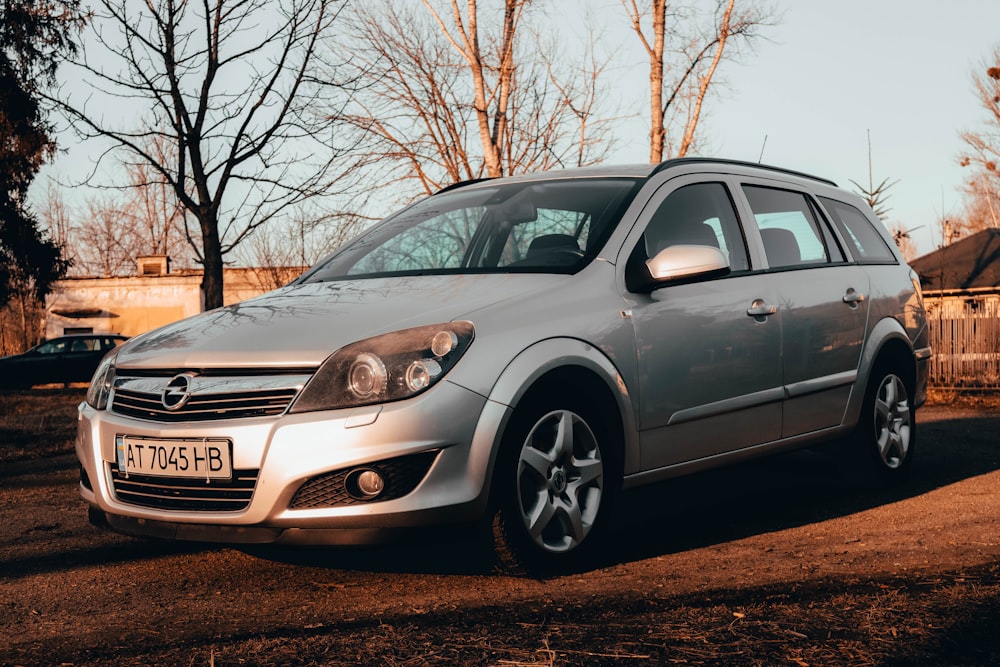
x,y
868,246
52,347
84,345
788,227
698,214
111,343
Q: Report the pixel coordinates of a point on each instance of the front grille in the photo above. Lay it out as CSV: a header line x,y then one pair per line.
x,y
205,395
401,476
198,495
203,407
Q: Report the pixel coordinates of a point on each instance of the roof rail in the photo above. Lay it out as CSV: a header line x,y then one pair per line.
x,y
740,163
461,184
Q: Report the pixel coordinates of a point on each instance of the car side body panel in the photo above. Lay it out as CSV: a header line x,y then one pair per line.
x,y
706,369
822,340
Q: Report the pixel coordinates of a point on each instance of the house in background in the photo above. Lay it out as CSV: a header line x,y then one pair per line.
x,y
961,286
970,266
153,297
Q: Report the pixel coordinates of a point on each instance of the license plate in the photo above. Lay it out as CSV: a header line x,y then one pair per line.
x,y
200,458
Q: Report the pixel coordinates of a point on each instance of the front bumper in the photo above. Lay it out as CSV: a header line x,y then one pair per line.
x,y
450,430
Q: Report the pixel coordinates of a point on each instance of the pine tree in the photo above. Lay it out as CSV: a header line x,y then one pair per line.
x,y
34,35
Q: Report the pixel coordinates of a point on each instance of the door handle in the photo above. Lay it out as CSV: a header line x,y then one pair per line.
x,y
760,309
853,298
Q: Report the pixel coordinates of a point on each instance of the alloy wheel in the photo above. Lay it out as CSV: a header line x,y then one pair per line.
x,y
560,481
892,421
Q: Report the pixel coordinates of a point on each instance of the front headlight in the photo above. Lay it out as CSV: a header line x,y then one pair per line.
x,y
386,368
100,385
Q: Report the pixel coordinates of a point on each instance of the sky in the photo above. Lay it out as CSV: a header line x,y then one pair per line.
x,y
832,71
823,78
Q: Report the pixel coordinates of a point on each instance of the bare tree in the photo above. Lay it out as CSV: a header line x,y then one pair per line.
x,y
225,87
982,203
683,62
982,187
901,235
299,243
456,93
103,246
153,208
118,224
581,122
55,215
491,98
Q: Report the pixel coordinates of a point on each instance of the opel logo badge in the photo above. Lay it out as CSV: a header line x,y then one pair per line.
x,y
177,392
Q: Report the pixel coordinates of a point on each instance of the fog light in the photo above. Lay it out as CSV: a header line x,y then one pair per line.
x,y
365,484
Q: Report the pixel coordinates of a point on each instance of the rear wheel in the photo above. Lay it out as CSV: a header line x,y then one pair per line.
x,y
555,479
886,435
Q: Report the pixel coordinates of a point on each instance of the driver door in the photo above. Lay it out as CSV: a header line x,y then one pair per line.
x,y
709,351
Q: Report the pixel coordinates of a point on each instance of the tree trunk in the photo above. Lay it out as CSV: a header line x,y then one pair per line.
x,y
657,131
491,152
211,280
24,321
706,80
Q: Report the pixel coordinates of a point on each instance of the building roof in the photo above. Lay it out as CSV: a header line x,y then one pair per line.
x,y
972,263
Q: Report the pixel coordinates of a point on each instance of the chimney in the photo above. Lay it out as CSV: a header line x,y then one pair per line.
x,y
153,265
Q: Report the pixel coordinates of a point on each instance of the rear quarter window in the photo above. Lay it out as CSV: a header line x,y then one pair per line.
x,y
867,245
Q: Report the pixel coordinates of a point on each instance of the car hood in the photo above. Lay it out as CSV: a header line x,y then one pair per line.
x,y
301,325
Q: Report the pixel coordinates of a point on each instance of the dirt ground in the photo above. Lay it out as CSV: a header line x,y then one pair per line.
x,y
782,562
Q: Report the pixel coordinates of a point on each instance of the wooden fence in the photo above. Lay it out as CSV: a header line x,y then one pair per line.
x,y
965,337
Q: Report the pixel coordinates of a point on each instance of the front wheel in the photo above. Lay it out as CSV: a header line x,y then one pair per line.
x,y
555,480
886,433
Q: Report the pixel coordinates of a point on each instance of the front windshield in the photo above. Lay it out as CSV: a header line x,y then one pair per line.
x,y
549,226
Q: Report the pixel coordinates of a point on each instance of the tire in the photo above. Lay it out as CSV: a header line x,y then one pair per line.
x,y
556,478
886,436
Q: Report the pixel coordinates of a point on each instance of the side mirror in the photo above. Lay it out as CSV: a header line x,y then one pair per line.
x,y
679,262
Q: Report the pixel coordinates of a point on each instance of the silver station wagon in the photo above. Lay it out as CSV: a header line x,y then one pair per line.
x,y
514,353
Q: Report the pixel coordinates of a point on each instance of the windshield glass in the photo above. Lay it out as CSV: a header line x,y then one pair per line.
x,y
549,226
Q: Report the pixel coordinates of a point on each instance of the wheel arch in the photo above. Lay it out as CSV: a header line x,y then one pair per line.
x,y
887,342
567,364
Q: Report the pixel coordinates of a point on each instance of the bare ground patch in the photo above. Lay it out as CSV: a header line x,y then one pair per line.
x,y
781,562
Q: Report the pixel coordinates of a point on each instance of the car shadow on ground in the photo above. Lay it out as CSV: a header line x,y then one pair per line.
x,y
713,507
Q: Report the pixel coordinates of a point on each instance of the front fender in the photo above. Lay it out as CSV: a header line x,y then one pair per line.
x,y
526,369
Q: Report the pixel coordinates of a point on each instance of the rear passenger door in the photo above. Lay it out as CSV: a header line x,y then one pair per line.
x,y
823,300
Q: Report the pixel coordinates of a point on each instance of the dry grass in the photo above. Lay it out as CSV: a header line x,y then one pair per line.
x,y
963,399
37,423
866,623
